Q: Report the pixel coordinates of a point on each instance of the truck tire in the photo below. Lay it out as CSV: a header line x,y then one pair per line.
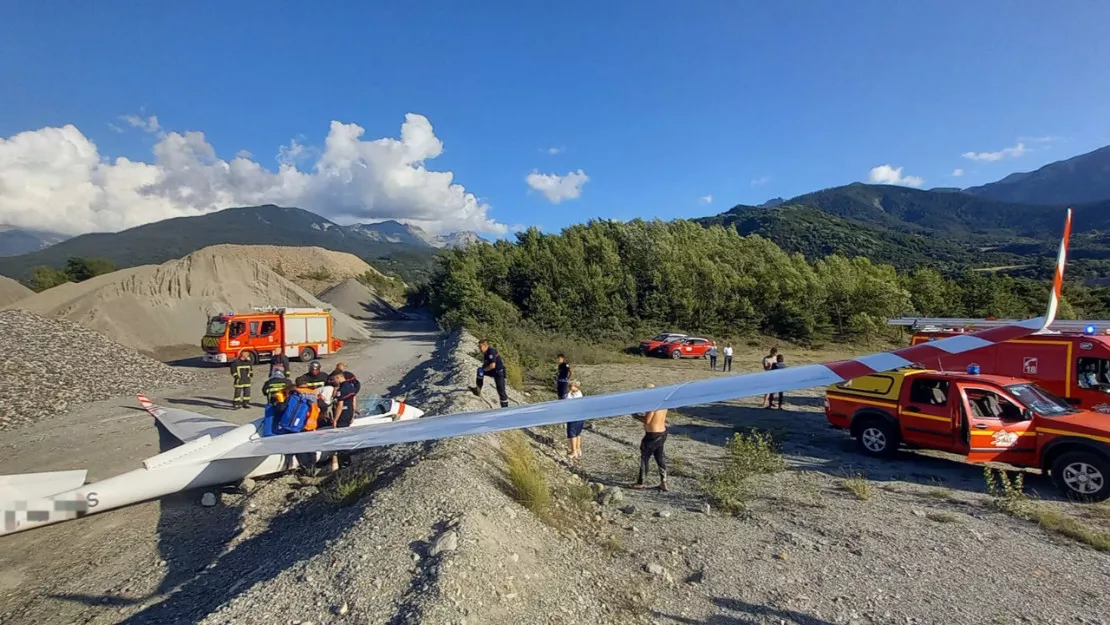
x,y
307,354
876,437
676,354
1082,475
249,356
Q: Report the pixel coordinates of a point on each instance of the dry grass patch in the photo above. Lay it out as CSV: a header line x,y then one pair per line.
x,y
748,455
527,481
942,517
859,486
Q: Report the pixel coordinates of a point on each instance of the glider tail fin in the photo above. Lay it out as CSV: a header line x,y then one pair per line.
x,y
1058,275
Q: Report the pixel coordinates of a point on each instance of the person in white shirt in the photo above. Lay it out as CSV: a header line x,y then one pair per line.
x,y
574,428
728,358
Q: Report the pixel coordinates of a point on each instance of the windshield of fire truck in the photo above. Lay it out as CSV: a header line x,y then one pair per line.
x,y
1040,401
216,326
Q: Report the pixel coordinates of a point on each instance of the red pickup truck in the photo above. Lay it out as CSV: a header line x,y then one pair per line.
x,y
981,417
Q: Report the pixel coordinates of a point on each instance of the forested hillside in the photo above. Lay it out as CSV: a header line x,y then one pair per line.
x,y
607,278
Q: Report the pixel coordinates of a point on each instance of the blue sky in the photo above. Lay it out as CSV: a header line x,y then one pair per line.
x,y
658,103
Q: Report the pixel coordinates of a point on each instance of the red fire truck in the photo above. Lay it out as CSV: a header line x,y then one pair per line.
x,y
1071,360
303,333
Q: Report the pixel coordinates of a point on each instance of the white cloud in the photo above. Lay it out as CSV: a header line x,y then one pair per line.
x,y
149,124
957,172
555,150
243,154
1013,152
1045,139
706,199
55,179
885,174
761,181
558,188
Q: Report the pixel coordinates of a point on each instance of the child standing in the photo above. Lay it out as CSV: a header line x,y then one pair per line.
x,y
574,428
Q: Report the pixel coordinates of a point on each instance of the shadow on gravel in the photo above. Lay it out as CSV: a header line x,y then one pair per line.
x,y
789,617
408,610
809,443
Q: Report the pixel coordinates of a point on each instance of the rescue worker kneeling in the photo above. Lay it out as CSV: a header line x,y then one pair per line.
x,y
291,410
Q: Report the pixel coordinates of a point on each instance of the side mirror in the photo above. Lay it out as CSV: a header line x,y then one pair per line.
x,y
1026,414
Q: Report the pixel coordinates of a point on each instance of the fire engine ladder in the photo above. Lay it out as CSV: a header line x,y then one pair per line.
x,y
1086,326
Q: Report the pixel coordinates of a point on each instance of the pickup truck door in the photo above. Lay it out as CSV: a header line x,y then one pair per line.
x,y
996,429
925,412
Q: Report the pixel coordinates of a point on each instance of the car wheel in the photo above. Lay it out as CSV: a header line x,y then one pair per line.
x,y
676,354
307,354
1082,475
877,438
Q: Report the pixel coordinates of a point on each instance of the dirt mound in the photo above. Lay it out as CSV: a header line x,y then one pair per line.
x,y
157,306
12,291
360,301
314,269
68,365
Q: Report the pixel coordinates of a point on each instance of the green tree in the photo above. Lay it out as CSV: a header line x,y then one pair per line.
x,y
80,269
43,278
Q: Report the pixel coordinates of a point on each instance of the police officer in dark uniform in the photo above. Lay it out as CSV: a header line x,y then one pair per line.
x,y
242,374
315,379
562,378
492,365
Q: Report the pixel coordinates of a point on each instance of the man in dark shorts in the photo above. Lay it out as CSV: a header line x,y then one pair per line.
x,y
345,404
493,366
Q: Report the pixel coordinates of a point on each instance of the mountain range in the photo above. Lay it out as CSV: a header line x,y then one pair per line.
x,y
394,246
995,225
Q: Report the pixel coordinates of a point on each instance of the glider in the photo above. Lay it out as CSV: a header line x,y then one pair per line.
x,y
216,452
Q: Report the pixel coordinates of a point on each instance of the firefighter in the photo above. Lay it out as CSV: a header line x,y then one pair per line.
x,y
315,378
492,365
279,364
242,373
276,383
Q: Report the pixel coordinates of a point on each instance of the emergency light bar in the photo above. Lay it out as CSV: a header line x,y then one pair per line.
x,y
1088,326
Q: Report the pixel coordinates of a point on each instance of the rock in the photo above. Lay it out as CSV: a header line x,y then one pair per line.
x,y
706,508
655,569
663,514
208,500
446,543
617,495
343,609
629,509
515,557
246,485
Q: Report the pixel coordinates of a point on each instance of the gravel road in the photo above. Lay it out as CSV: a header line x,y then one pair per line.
x,y
119,564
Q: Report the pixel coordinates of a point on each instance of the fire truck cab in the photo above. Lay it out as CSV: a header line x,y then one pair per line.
x,y
984,418
303,333
1072,361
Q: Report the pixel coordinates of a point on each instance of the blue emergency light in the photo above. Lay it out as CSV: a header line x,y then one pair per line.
x,y
973,369
1089,329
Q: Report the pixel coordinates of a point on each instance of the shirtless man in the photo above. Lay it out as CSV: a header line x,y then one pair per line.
x,y
655,435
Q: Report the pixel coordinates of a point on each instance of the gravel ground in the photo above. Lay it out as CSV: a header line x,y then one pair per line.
x,y
431,535
68,365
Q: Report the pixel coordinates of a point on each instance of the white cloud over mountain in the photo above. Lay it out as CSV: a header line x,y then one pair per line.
x,y
558,188
1012,152
886,174
56,179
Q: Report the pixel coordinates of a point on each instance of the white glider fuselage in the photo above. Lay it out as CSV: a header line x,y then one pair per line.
x,y
34,500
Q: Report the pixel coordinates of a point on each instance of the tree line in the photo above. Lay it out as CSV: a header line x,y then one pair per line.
x,y
77,269
607,278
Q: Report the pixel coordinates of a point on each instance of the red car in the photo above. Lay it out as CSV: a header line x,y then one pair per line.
x,y
689,347
647,347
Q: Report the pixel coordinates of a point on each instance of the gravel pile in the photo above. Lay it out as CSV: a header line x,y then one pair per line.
x,y
49,366
12,291
159,306
359,301
314,269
